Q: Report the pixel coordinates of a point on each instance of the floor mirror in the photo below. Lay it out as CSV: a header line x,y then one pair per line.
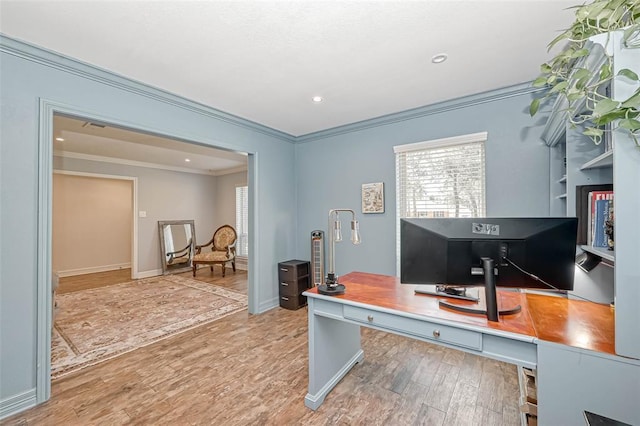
x,y
177,245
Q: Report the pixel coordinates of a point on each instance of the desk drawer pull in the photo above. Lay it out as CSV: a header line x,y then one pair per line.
x,y
422,328
284,269
284,284
284,298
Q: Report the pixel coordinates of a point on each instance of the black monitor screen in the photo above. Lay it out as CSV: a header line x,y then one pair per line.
x,y
449,251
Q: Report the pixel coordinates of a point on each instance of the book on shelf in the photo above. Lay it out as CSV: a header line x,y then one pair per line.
x,y
598,215
608,226
599,224
583,209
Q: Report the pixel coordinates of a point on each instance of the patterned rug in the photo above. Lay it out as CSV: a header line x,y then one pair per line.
x,y
95,325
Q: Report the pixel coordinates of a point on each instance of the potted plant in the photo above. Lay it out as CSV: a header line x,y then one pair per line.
x,y
585,91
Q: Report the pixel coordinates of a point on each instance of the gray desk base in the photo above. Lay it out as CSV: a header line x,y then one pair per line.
x,y
570,380
334,340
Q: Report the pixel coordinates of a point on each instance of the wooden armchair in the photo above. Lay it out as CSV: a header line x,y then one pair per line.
x,y
223,250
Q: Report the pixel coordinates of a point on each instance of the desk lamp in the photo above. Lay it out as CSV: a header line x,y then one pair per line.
x,y
332,287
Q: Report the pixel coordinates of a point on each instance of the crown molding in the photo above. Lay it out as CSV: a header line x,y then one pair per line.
x,y
423,111
64,63
125,162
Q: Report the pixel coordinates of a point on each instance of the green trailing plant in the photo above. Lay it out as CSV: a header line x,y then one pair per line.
x,y
585,89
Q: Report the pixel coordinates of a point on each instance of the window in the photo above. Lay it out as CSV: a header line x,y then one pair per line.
x,y
242,221
440,178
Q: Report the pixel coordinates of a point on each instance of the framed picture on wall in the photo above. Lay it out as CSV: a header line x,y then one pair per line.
x,y
373,197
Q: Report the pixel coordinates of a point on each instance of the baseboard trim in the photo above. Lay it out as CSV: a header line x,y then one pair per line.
x,y
149,274
17,403
93,270
268,305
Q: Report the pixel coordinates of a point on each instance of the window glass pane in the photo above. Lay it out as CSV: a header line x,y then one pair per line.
x,y
242,221
443,181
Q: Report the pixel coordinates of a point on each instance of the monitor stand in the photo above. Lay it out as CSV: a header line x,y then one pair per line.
x,y
491,298
453,292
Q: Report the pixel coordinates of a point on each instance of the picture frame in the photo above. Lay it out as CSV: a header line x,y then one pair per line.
x,y
373,197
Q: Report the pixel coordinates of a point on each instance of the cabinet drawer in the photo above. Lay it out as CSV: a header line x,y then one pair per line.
x,y
294,288
292,302
425,329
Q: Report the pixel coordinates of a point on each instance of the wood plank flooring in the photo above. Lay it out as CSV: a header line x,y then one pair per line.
x,y
252,369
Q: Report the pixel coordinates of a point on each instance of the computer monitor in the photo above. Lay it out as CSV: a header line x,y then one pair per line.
x,y
489,252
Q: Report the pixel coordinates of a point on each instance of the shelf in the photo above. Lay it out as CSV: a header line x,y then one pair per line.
x,y
528,396
563,179
602,160
602,252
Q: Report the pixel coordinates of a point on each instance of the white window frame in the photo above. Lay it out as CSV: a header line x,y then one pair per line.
x,y
480,137
242,221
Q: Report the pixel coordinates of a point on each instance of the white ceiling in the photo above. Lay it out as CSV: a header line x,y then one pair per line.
x,y
264,60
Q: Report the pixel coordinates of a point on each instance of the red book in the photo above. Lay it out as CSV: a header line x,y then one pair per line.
x,y
593,197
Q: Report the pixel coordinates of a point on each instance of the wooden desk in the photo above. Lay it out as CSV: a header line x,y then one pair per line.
x,y
563,326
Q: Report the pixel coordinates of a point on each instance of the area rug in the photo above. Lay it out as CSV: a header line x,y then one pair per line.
x,y
98,324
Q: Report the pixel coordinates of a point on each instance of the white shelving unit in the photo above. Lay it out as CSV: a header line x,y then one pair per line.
x,y
575,160
603,160
608,255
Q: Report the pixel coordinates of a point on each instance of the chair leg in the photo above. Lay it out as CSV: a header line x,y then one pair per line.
x,y
223,269
194,269
233,265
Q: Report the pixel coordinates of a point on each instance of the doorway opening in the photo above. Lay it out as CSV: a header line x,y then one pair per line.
x,y
58,154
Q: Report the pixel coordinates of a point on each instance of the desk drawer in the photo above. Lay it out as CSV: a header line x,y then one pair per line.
x,y
425,329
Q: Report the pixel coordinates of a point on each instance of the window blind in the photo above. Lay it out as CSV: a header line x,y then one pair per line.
x,y
439,179
242,221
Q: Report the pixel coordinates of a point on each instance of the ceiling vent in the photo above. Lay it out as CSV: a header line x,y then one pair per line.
x,y
90,124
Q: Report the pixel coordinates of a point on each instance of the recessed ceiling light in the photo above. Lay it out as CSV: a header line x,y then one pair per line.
x,y
60,139
317,99
439,58
187,160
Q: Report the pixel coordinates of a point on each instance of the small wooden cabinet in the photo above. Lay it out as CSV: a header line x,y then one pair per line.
x,y
293,279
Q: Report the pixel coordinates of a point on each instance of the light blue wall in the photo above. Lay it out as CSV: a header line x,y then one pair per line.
x,y
332,167
27,75
295,185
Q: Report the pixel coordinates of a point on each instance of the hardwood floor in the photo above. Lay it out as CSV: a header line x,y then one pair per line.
x,y
237,281
252,369
95,280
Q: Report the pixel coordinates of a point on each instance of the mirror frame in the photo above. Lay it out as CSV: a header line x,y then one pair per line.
x,y
168,269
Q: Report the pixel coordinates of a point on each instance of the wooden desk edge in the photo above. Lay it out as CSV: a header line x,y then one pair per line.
x,y
579,324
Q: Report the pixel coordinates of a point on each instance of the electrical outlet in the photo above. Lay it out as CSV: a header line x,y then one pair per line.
x,y
142,213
